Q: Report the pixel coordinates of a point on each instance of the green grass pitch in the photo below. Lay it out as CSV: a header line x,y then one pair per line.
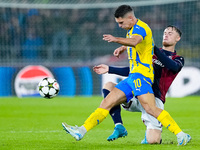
x,y
35,123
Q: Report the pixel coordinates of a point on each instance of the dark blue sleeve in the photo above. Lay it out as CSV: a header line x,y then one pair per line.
x,y
174,65
124,71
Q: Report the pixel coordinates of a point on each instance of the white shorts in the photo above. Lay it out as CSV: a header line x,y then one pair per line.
x,y
151,122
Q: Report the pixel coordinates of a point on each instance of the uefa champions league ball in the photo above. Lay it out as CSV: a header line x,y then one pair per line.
x,y
48,87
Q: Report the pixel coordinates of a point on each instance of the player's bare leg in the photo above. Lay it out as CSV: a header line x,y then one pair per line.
x,y
153,136
109,86
115,97
148,103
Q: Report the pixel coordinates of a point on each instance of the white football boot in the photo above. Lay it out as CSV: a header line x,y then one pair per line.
x,y
184,139
73,131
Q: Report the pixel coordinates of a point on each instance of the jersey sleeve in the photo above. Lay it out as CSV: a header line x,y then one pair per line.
x,y
124,71
175,65
180,60
139,31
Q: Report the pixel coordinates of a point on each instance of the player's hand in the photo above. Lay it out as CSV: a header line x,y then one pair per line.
x,y
109,38
119,51
101,69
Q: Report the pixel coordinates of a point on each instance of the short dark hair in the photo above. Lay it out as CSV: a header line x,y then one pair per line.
x,y
176,29
122,10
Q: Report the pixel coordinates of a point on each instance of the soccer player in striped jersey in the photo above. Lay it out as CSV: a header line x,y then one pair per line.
x,y
167,64
139,45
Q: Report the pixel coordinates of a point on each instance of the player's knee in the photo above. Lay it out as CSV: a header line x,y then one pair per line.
x,y
153,136
154,140
109,86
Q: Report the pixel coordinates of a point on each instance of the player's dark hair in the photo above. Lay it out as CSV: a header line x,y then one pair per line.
x,y
176,29
122,10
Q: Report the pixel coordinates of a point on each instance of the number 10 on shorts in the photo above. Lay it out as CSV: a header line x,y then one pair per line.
x,y
137,83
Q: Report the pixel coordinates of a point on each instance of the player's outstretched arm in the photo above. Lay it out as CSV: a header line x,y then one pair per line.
x,y
101,69
122,71
132,41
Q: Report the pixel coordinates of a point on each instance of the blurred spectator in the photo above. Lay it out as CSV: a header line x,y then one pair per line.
x,y
35,20
195,38
60,44
33,12
77,33
32,45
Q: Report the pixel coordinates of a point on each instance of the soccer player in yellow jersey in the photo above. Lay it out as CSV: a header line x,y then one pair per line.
x,y
139,45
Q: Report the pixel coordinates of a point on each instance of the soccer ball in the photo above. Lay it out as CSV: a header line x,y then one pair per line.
x,y
48,87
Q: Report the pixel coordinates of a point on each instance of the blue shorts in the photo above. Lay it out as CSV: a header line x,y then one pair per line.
x,y
136,84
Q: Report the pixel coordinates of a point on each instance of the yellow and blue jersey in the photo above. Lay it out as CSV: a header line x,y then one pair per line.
x,y
140,56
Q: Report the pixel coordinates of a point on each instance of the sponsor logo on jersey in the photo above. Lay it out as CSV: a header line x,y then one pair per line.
x,y
27,80
156,61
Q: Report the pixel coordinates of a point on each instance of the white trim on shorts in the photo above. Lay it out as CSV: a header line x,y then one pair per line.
x,y
151,122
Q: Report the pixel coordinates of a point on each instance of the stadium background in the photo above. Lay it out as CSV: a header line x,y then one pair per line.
x,y
66,37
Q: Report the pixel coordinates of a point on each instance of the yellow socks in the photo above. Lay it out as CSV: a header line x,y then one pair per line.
x,y
100,114
168,122
95,118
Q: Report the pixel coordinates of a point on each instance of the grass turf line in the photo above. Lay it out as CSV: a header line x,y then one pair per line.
x,y
35,123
